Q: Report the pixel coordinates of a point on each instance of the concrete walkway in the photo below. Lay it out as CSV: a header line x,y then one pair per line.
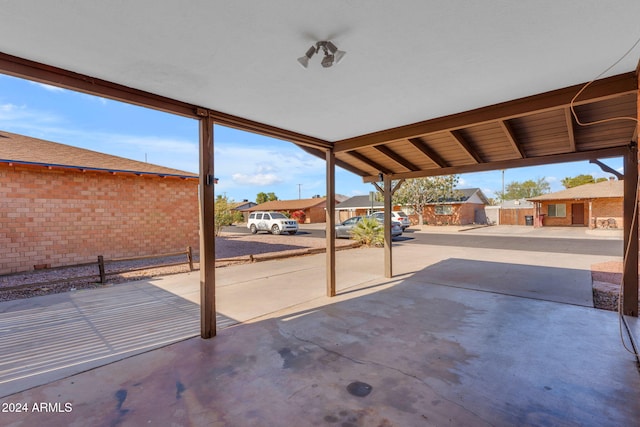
x,y
385,352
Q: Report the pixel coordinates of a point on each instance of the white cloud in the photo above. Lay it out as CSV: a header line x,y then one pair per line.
x,y
257,179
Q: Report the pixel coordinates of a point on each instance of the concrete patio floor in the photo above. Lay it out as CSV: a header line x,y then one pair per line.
x,y
426,348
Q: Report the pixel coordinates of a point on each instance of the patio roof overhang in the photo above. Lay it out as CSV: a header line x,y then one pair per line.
x,y
450,92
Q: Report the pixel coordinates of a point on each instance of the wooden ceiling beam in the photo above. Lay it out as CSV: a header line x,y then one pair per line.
x,y
428,151
322,155
610,87
464,144
365,159
511,137
515,163
570,128
267,130
396,157
42,73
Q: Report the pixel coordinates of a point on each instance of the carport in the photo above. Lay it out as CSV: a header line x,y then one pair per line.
x,y
424,90
527,105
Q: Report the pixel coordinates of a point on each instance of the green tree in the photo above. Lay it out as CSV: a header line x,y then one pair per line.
x,y
224,214
418,192
570,182
263,197
526,189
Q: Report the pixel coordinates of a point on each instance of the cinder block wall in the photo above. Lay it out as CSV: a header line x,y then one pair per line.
x,y
62,217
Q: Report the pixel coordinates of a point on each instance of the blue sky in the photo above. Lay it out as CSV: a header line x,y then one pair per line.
x,y
245,163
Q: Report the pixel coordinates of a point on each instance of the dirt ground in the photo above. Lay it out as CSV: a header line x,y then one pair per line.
x,y
231,248
607,278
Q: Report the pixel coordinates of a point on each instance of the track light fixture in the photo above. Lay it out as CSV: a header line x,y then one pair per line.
x,y
331,54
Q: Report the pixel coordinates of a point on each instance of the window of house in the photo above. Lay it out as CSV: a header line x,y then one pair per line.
x,y
444,210
558,210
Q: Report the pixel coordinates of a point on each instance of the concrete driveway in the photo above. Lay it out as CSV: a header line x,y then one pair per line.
x,y
166,308
457,337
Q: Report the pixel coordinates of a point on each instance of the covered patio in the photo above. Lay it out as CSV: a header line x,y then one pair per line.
x,y
458,337
424,90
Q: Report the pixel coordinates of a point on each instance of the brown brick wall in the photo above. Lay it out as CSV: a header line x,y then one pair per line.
x,y
61,217
316,215
461,215
601,209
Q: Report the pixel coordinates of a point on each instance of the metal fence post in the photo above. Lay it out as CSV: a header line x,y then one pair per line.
x,y
101,268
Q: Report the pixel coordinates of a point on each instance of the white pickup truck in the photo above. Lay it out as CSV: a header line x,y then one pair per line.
x,y
273,222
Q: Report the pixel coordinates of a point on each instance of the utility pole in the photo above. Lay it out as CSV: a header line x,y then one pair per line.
x,y
502,186
299,185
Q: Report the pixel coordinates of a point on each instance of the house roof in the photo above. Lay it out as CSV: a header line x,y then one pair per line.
x,y
359,202
21,149
599,190
462,196
516,204
289,205
242,205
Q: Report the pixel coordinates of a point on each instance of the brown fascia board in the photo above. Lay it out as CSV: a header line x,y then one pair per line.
x,y
94,169
35,71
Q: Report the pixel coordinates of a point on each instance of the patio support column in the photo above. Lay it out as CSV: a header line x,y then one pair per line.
x,y
207,232
388,264
630,273
331,223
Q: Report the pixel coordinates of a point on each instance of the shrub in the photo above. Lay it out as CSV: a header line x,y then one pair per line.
x,y
368,232
299,216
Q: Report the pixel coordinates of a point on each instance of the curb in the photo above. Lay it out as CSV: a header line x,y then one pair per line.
x,y
272,256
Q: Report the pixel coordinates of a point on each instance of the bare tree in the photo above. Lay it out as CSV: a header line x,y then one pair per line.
x,y
419,192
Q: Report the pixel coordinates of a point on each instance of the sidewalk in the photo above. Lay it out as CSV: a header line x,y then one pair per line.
x,y
522,230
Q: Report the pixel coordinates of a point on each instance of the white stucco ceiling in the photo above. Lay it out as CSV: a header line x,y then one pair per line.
x,y
407,60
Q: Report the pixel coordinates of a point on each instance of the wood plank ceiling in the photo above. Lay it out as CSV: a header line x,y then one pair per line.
x,y
529,131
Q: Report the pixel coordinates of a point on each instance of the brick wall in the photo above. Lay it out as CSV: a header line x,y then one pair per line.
x,y
601,209
604,209
316,215
63,217
462,214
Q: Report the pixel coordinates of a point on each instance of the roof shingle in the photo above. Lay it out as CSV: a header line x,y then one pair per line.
x,y
16,148
288,205
604,189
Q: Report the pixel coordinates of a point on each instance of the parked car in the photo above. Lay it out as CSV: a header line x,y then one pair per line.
x,y
399,216
344,228
396,227
272,222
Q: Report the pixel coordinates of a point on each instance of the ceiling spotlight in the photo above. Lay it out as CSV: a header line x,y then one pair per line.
x,y
304,60
331,54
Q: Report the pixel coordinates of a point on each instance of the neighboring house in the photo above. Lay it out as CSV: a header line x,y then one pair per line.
x,y
466,207
357,206
63,205
242,208
511,212
598,205
314,209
